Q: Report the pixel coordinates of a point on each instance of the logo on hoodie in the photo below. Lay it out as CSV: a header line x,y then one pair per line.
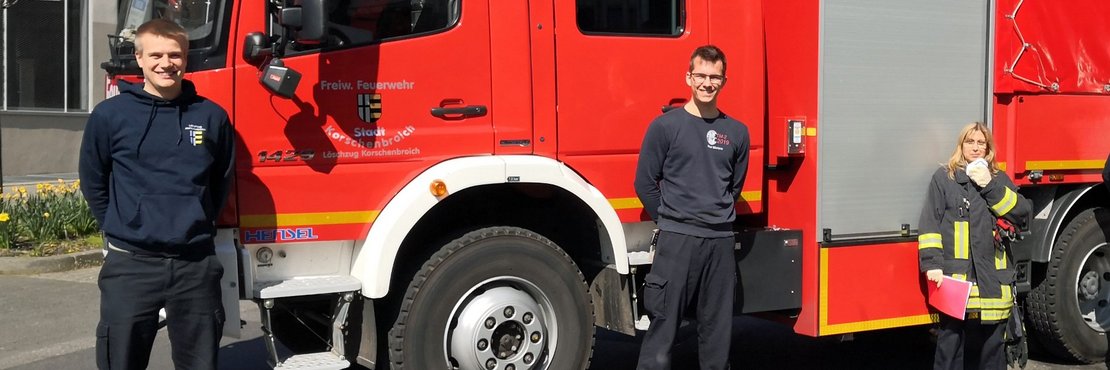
x,y
714,138
196,134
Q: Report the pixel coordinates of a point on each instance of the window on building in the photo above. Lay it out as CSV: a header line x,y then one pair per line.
x,y
43,60
630,17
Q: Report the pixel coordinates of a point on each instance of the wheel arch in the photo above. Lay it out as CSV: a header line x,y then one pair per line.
x,y
1053,208
476,185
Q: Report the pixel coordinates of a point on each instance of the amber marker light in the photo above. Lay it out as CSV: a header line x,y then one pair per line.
x,y
438,188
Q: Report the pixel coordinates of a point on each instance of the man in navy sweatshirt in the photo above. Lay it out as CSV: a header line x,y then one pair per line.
x,y
156,164
689,175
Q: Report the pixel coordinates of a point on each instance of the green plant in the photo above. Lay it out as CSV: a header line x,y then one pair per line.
x,y
5,235
55,211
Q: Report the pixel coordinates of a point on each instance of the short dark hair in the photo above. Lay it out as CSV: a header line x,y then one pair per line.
x,y
709,53
163,28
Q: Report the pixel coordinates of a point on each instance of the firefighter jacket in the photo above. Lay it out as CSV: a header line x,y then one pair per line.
x,y
956,236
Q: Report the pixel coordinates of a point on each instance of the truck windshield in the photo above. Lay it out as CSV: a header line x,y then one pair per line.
x,y
198,17
202,19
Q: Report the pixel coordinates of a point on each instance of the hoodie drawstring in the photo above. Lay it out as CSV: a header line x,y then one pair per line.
x,y
179,130
149,123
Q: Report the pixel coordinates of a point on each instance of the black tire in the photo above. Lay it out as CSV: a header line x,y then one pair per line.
x,y
1076,281
477,278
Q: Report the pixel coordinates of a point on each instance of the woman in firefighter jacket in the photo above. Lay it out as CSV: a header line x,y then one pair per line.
x,y
966,198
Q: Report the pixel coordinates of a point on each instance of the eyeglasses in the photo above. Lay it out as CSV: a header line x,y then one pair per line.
x,y
701,77
970,142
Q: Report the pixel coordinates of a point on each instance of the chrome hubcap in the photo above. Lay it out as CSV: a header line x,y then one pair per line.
x,y
505,323
1093,288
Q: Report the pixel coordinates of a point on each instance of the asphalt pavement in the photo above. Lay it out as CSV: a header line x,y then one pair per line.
x,y
49,321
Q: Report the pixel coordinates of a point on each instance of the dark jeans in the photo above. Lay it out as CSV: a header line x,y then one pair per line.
x,y
689,269
982,344
132,290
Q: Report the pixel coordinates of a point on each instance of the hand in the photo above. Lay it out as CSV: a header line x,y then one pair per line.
x,y
979,173
935,275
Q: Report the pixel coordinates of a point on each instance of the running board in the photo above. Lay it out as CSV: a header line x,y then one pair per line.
x,y
334,359
314,361
302,286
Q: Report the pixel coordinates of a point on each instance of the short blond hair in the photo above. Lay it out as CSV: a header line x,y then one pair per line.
x,y
957,161
163,28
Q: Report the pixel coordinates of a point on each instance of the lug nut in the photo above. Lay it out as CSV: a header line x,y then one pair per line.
x,y
535,337
528,358
527,318
508,312
510,367
490,322
491,363
482,345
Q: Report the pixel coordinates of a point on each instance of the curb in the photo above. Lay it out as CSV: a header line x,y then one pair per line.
x,y
39,265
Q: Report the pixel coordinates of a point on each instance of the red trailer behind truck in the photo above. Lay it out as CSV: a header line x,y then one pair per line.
x,y
448,184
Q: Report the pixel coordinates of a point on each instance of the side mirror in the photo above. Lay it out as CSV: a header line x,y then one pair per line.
x,y
256,47
279,79
308,19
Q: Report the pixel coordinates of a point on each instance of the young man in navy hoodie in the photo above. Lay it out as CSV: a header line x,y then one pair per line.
x,y
690,171
156,164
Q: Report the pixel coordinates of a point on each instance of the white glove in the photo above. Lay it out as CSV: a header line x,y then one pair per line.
x,y
979,172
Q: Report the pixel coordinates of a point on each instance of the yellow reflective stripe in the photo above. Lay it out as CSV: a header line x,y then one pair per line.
x,y
296,219
930,240
973,303
962,277
960,240
999,259
1006,204
994,315
1089,164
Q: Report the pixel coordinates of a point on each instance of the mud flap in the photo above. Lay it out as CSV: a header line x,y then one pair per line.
x,y
228,255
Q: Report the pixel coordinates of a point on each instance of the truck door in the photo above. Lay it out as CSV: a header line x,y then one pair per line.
x,y
399,85
619,62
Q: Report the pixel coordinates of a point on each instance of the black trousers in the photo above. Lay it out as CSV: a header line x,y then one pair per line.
x,y
132,290
689,269
982,344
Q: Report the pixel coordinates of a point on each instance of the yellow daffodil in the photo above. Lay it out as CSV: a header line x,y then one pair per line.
x,y
4,217
46,215
23,190
60,181
39,187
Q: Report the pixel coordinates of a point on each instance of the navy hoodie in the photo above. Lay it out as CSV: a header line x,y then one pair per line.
x,y
156,172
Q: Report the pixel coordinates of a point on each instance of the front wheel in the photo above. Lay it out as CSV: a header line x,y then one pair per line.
x,y
496,298
1069,311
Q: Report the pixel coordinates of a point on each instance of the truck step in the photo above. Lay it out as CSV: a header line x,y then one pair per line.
x,y
314,361
302,286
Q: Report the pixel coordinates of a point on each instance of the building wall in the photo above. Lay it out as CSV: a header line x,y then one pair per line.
x,y
40,143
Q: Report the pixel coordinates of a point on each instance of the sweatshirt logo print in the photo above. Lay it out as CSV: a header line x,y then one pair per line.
x,y
713,138
196,134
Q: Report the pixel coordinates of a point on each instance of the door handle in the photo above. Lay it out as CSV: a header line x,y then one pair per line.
x,y
467,111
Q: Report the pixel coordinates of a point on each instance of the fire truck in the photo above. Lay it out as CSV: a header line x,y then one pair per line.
x,y
428,184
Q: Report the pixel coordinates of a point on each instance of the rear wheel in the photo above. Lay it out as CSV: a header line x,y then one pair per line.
x,y
496,298
1069,310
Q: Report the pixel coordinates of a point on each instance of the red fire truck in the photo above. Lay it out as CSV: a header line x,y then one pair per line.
x,y
448,184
